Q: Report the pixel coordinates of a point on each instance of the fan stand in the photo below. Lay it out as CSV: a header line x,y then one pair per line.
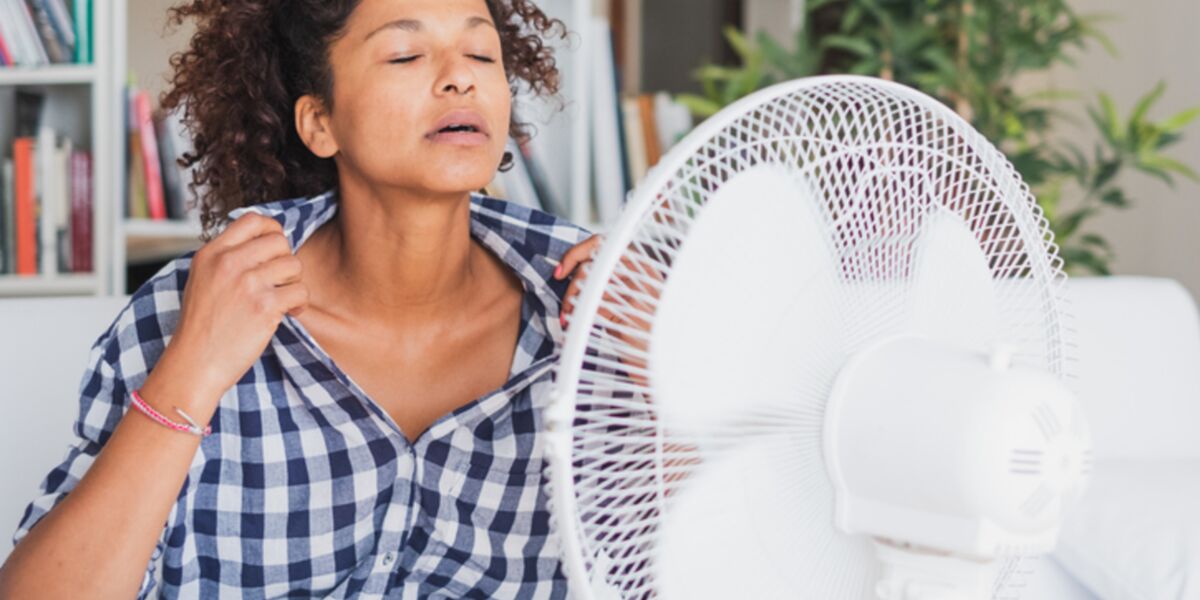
x,y
914,573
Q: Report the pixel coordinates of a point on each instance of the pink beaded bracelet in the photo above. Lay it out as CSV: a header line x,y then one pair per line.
x,y
190,427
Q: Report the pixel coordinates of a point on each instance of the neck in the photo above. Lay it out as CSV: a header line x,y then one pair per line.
x,y
400,255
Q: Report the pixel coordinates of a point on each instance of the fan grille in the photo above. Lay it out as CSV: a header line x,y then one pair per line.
x,y
880,158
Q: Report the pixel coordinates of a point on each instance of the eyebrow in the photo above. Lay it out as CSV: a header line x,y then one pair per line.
x,y
415,26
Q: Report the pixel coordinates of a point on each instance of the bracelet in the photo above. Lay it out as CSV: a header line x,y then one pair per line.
x,y
189,427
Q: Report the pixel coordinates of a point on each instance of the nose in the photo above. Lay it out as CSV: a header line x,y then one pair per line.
x,y
457,76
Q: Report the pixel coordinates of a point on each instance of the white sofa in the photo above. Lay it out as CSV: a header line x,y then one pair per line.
x,y
1139,379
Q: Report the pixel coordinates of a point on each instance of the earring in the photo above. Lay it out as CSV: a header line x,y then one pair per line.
x,y
506,163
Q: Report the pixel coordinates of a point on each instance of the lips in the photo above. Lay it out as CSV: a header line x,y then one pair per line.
x,y
460,121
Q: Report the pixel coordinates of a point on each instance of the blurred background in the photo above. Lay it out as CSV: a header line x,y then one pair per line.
x,y
1094,101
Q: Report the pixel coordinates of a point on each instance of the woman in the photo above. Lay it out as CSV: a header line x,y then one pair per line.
x,y
370,354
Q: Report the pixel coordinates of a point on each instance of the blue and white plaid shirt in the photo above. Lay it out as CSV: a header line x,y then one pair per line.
x,y
306,487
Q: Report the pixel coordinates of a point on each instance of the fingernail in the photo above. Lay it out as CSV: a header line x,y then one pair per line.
x,y
562,320
558,272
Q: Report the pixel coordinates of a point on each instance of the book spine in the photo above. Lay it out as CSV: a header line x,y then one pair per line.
x,y
6,57
154,184
88,207
46,202
26,226
55,51
83,37
10,230
60,22
62,200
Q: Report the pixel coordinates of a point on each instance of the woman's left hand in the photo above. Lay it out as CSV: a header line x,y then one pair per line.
x,y
582,252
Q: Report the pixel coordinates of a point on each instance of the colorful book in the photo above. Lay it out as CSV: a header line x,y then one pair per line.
x,y
10,231
43,24
143,119
81,212
24,213
83,31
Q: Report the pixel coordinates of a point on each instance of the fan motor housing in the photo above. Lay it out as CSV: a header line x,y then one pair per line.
x,y
949,448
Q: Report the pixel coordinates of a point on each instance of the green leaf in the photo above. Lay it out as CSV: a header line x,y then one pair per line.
x,y
1091,239
1143,105
1179,120
738,42
1076,257
1170,165
1069,223
854,45
701,107
1111,121
1105,173
1115,198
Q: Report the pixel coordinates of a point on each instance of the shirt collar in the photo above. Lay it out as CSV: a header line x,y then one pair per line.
x,y
300,217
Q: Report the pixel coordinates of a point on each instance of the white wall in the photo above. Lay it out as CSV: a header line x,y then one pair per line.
x,y
150,46
1157,40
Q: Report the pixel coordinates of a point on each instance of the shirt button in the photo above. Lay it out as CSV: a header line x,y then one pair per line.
x,y
388,558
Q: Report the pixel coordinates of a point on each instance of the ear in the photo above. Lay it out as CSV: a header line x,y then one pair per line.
x,y
314,126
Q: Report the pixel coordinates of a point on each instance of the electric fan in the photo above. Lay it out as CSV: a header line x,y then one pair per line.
x,y
822,354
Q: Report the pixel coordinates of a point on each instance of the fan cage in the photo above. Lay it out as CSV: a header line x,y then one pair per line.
x,y
880,157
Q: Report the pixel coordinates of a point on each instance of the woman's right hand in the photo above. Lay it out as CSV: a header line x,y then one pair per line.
x,y
240,286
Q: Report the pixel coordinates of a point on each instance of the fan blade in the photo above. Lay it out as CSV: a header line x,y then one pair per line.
x,y
756,523
953,298
744,329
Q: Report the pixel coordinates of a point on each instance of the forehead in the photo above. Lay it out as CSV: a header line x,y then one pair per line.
x,y
373,17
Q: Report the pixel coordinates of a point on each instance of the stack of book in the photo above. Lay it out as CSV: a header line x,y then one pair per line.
x,y
42,32
157,186
630,132
45,198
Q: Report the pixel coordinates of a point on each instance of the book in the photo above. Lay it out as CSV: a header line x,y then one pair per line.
x,y
635,147
649,129
136,206
60,18
5,173
7,204
45,201
24,211
81,212
55,51
672,119
173,143
609,173
6,57
144,124
60,196
83,31
21,33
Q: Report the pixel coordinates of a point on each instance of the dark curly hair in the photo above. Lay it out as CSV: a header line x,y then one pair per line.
x,y
250,60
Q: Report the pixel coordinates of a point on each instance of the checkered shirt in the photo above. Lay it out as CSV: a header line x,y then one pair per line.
x,y
307,488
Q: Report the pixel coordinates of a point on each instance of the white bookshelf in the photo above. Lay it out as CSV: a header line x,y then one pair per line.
x,y
81,102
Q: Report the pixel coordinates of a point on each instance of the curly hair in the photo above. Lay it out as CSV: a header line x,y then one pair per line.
x,y
250,60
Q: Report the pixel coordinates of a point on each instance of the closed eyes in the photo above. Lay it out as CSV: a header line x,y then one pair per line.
x,y
408,59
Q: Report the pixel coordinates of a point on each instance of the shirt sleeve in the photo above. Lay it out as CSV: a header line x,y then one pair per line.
x,y
103,401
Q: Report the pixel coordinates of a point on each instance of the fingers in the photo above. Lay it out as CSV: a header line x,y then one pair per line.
x,y
291,298
264,248
280,271
245,228
577,254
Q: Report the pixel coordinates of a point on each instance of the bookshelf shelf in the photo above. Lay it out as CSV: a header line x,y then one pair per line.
x,y
49,75
83,105
149,228
148,240
57,285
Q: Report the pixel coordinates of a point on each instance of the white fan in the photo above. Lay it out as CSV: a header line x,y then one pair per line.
x,y
821,355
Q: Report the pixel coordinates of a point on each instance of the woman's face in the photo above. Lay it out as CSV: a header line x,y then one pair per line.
x,y
400,67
